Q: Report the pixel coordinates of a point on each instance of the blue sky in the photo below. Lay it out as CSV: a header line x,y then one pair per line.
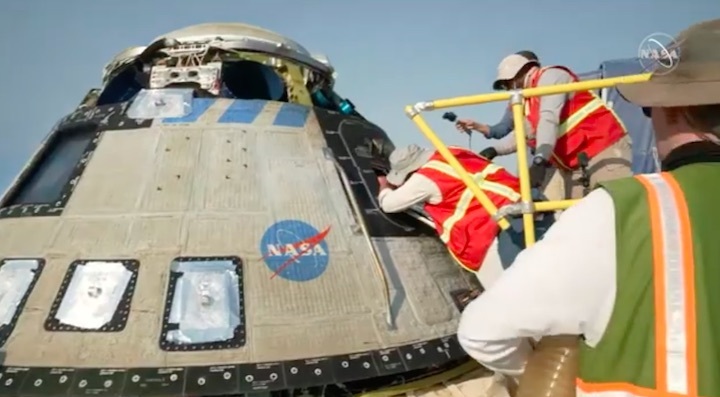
x,y
388,53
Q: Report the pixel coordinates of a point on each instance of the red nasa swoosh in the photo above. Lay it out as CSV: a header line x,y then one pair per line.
x,y
311,242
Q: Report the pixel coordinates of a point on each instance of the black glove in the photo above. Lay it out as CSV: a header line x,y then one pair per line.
x,y
538,171
380,166
489,153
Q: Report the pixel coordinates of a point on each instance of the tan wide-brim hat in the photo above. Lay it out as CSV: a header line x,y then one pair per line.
x,y
406,160
694,78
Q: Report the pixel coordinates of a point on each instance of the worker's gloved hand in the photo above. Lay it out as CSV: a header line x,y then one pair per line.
x,y
489,153
538,171
379,166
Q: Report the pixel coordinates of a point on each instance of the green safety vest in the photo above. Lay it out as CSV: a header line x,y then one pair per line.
x,y
663,337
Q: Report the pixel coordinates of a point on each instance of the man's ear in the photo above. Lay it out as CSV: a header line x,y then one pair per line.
x,y
703,118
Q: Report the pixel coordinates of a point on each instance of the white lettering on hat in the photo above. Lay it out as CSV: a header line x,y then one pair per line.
x,y
659,53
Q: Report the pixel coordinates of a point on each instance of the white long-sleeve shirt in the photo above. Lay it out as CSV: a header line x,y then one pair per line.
x,y
563,284
417,189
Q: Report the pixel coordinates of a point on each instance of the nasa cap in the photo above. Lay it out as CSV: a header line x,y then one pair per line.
x,y
404,161
693,81
509,67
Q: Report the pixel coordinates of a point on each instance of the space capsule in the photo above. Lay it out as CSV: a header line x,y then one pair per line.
x,y
205,223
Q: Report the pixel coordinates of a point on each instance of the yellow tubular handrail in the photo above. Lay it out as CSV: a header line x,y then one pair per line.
x,y
527,206
531,92
518,110
455,164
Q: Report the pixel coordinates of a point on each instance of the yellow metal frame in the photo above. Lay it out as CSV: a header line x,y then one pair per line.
x,y
527,206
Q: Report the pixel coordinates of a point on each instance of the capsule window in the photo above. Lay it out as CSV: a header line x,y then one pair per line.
x,y
17,279
58,163
94,296
204,308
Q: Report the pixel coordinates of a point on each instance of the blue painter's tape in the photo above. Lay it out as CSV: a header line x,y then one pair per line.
x,y
199,107
242,111
295,250
291,115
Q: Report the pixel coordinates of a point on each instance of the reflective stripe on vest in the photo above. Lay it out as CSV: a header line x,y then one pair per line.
x,y
674,286
467,195
574,119
573,123
570,123
580,115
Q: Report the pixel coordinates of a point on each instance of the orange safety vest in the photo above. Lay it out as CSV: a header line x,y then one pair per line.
x,y
465,227
586,124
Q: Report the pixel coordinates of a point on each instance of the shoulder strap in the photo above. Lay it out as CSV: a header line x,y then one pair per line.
x,y
536,77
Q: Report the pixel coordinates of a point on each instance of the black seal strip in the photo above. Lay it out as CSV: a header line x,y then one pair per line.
x,y
47,382
119,318
155,382
365,371
106,382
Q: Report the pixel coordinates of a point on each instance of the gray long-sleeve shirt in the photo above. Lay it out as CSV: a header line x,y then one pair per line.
x,y
550,107
503,127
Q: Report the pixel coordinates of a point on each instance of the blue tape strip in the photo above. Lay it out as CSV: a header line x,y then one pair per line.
x,y
199,106
242,111
291,115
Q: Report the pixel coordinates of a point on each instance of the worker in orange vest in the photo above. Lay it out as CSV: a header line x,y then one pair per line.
x,y
632,267
504,126
422,176
564,130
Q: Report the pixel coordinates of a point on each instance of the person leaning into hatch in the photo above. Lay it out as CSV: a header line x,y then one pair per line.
x,y
563,128
634,266
422,176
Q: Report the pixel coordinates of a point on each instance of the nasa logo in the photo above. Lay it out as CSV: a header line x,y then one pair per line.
x,y
295,251
659,53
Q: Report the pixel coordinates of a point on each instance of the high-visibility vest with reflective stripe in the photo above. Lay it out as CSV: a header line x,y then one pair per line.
x,y
663,337
465,227
586,124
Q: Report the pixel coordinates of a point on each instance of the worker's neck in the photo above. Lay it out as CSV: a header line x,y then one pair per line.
x,y
526,80
668,143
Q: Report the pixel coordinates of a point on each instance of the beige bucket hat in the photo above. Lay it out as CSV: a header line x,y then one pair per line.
x,y
404,161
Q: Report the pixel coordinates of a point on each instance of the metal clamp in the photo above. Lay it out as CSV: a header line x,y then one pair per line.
x,y
514,210
516,96
415,109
